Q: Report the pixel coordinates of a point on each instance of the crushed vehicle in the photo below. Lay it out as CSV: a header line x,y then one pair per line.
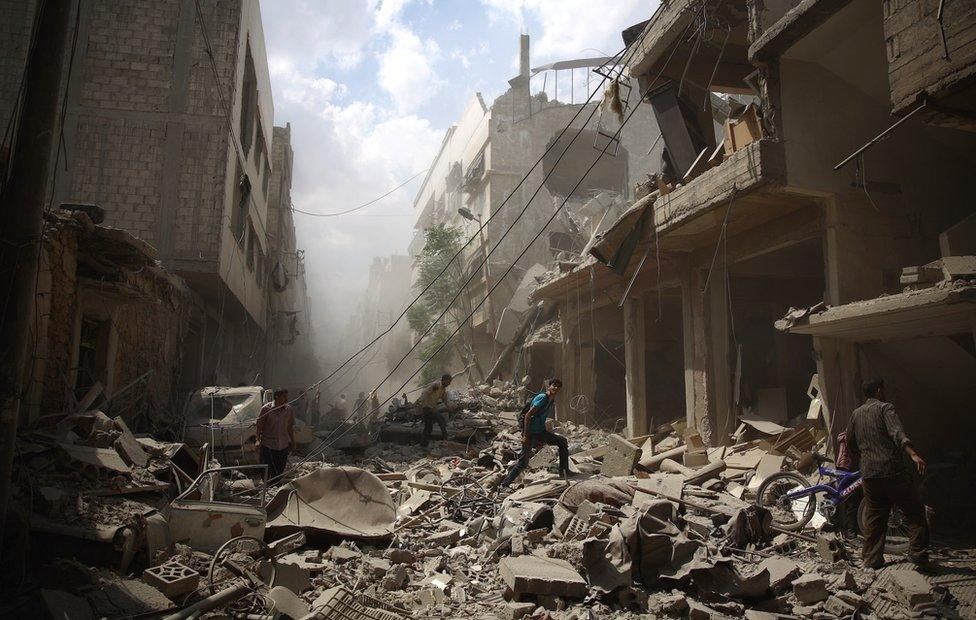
x,y
225,418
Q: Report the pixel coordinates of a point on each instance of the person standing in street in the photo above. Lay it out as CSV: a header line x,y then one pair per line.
x,y
877,442
430,398
276,433
534,433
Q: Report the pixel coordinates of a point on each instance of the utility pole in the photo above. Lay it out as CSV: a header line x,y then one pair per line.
x,y
22,210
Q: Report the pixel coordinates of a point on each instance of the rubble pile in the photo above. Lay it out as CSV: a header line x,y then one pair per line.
x,y
658,526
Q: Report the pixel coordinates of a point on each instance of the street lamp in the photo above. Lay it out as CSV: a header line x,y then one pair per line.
x,y
471,217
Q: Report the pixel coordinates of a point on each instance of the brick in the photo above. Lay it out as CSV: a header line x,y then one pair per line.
x,y
809,589
173,579
620,458
530,574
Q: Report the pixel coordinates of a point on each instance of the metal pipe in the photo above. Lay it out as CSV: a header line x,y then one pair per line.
x,y
878,137
212,602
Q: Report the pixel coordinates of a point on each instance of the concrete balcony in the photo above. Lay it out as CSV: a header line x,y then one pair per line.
x,y
752,179
670,44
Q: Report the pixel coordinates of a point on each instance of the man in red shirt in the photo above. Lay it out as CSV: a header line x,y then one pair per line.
x,y
275,433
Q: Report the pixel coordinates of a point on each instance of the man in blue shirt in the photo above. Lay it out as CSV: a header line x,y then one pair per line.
x,y
534,433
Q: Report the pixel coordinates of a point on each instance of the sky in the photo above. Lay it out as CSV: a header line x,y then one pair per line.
x,y
371,86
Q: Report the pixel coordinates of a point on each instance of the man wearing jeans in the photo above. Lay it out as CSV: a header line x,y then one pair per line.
x,y
275,433
534,433
876,439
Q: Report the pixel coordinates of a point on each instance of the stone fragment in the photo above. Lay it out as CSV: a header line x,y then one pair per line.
x,y
839,607
400,556
700,611
911,587
377,567
809,589
829,547
514,611
529,574
620,458
396,578
173,579
672,603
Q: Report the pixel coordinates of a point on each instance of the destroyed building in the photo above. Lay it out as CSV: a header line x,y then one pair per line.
x,y
168,128
487,152
678,306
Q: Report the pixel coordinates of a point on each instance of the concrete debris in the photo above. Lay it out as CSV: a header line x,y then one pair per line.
x,y
653,526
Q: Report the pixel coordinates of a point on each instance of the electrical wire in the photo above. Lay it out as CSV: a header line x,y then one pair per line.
x,y
534,238
474,236
362,206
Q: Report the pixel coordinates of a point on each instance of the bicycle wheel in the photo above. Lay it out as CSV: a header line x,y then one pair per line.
x,y
896,538
789,514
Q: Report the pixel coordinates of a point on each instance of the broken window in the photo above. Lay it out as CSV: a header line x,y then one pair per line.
x,y
250,245
242,192
248,101
93,344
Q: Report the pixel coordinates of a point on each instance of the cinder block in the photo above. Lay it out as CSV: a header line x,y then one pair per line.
x,y
172,579
530,574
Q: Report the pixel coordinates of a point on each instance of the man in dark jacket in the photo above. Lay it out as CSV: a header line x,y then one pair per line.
x,y
877,441
534,433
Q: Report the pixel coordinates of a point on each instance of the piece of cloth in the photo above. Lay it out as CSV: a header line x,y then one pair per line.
x,y
537,439
276,460
877,440
432,395
274,430
431,416
537,424
881,494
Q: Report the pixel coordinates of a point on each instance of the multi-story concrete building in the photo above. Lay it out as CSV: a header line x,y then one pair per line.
x,y
799,207
168,128
485,155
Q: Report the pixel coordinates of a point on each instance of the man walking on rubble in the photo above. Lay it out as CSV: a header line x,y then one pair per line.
x,y
275,433
534,433
876,439
430,398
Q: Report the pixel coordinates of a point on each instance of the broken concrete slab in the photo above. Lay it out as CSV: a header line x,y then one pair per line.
x,y
782,571
530,574
346,501
621,457
128,447
288,603
101,458
911,587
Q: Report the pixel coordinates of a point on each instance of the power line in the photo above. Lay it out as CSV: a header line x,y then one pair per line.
x,y
527,247
630,115
362,206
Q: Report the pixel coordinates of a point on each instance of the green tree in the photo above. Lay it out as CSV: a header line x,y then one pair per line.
x,y
441,244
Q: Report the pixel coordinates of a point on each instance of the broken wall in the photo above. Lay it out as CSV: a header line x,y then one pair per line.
x,y
144,313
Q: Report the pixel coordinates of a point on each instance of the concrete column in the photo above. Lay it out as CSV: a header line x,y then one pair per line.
x,y
635,345
721,379
695,352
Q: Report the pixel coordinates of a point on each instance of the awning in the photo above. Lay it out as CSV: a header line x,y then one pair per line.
x,y
944,309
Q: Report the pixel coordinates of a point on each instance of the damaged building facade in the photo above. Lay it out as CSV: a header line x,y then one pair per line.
x,y
168,132
686,305
481,162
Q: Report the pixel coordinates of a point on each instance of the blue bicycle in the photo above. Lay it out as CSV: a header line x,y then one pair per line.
x,y
792,500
